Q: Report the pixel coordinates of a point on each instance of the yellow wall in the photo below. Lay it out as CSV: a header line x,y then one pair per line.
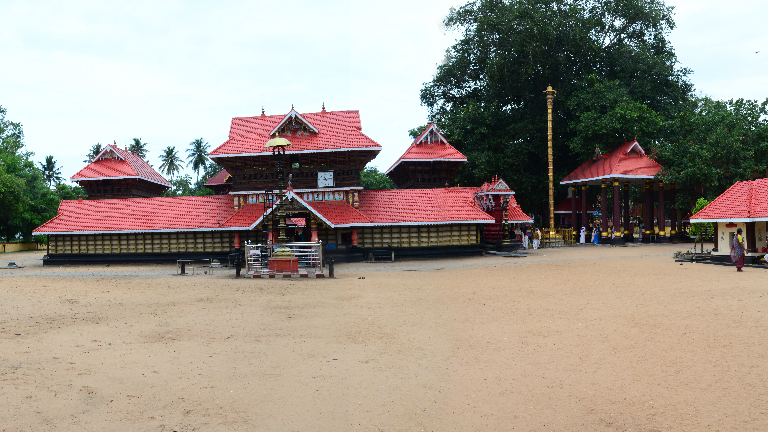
x,y
16,247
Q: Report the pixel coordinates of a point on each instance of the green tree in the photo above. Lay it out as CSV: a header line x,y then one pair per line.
x,y
210,170
371,179
138,148
170,161
197,155
699,230
181,186
95,150
51,172
717,143
609,60
415,132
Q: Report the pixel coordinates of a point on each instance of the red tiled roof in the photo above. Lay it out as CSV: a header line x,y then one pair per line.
x,y
186,213
627,162
337,130
246,217
515,215
745,201
124,165
422,206
218,179
423,149
495,186
337,213
565,206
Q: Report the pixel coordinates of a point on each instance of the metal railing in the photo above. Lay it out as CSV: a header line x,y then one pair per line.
x,y
304,258
560,237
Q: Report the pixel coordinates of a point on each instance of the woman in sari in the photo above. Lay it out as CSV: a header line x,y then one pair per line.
x,y
737,250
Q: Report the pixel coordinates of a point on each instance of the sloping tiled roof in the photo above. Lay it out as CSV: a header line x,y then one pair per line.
x,y
422,150
337,131
162,214
627,162
124,165
515,215
745,201
565,206
246,217
337,213
422,206
218,179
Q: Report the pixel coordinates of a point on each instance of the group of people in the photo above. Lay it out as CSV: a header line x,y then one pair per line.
x,y
595,235
526,234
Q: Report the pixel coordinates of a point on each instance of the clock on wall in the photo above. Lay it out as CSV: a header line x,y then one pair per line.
x,y
325,179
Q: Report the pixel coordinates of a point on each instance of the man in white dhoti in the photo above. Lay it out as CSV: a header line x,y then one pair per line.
x,y
582,235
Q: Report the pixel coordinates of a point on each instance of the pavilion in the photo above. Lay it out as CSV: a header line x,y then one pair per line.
x,y
627,164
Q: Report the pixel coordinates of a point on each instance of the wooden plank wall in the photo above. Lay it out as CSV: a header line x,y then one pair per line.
x,y
204,241
410,236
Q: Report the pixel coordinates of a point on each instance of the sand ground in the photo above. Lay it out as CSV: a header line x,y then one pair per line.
x,y
581,339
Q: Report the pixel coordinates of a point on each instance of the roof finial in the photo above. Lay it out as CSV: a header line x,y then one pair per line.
x,y
323,106
262,110
291,107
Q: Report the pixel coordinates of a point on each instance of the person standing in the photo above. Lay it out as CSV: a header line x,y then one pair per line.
x,y
582,235
738,250
536,239
525,237
596,234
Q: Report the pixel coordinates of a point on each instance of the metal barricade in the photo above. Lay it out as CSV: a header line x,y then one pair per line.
x,y
308,257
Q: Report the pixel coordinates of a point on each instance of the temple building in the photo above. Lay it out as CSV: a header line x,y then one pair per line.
x,y
744,205
627,164
318,178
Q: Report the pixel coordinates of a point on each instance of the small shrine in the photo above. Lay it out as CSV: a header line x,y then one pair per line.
x,y
744,205
429,162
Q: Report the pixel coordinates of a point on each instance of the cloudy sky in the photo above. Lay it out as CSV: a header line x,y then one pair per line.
x,y
76,73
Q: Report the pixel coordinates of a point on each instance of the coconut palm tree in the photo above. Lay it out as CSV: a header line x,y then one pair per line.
x,y
51,173
95,150
197,155
170,161
138,148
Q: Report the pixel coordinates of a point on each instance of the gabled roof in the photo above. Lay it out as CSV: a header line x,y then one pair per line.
x,y
422,206
116,163
329,131
430,145
496,186
218,179
293,116
745,201
160,214
565,206
627,162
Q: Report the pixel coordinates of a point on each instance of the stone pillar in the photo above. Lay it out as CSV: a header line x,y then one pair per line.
x,y
662,218
313,229
604,211
717,237
749,233
617,227
648,216
584,216
573,209
269,232
354,236
673,212
627,223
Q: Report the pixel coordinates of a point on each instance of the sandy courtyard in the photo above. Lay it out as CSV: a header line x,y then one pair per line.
x,y
579,339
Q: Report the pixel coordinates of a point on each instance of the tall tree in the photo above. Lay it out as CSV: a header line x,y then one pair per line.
x,y
138,148
51,172
716,144
609,60
95,150
170,161
197,155
372,178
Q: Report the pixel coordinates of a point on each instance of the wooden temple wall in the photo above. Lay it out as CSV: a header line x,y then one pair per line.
x,y
205,241
408,236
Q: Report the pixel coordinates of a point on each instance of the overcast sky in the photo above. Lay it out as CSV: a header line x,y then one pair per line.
x,y
76,73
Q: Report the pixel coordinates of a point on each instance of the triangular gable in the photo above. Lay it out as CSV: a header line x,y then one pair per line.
x,y
501,185
108,152
292,121
430,135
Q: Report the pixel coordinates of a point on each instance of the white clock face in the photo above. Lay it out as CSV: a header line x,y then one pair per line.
x,y
325,179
